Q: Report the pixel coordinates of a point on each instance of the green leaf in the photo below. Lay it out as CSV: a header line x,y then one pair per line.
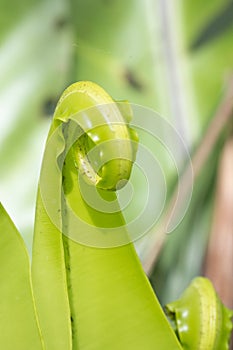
x,y
112,305
18,319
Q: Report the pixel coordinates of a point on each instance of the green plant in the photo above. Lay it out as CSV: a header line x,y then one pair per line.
x,y
89,287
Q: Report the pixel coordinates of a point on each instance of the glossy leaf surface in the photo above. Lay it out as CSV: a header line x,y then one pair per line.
x,y
112,305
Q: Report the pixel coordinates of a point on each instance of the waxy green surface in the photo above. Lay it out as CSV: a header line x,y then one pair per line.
x,y
88,297
200,319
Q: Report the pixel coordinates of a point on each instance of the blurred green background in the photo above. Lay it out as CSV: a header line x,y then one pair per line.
x,y
173,56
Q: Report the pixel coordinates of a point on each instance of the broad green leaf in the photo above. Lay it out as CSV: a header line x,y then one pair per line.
x,y
112,305
18,318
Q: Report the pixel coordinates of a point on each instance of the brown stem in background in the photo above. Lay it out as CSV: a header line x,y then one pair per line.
x,y
219,257
218,123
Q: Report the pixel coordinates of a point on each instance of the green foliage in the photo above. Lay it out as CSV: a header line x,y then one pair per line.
x,y
110,301
120,45
86,297
18,318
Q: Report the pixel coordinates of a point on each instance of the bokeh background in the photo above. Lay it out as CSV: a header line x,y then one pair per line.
x,y
175,57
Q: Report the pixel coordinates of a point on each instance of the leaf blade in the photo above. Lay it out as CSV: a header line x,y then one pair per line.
x,y
18,319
